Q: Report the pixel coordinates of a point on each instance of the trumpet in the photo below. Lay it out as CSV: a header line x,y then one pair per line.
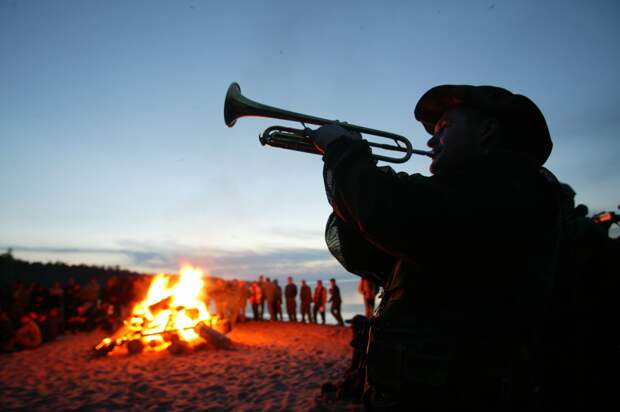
x,y
236,105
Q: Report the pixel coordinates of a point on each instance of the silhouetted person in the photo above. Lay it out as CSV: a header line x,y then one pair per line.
x,y
256,297
270,295
320,299
243,294
20,300
305,298
261,285
581,211
278,301
290,292
217,292
127,294
91,291
56,296
72,298
28,336
465,256
368,290
336,301
233,304
39,299
597,289
50,324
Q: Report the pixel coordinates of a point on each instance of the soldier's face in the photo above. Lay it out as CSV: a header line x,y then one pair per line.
x,y
456,139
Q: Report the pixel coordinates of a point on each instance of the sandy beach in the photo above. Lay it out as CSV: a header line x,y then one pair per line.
x,y
274,366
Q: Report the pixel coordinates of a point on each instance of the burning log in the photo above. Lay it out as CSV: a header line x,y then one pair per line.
x,y
222,326
161,305
104,347
213,337
173,315
135,346
178,346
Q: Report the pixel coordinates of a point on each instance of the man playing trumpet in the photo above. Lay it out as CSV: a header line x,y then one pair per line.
x,y
464,295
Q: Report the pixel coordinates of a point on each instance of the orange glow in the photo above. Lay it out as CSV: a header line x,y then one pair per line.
x,y
172,308
604,217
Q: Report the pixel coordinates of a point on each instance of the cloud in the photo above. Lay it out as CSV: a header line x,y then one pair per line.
x,y
297,233
308,263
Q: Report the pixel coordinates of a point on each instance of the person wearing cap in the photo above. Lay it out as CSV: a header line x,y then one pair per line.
x,y
465,256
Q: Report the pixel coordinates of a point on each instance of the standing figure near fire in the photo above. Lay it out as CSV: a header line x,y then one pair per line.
x,y
256,297
278,303
336,301
243,295
269,290
320,299
261,285
368,290
305,297
465,296
290,292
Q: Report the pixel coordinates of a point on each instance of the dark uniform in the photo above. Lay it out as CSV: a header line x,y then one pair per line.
x,y
290,292
320,299
305,296
336,303
466,258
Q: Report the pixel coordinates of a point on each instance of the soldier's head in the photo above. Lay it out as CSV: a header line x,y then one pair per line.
x,y
303,283
319,283
332,282
581,210
290,280
468,122
567,196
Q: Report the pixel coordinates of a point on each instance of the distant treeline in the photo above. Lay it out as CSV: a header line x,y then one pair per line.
x,y
12,270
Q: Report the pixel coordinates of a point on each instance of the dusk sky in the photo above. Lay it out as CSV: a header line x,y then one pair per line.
x,y
115,151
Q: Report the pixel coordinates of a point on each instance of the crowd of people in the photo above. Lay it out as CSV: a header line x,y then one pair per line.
x,y
33,314
266,292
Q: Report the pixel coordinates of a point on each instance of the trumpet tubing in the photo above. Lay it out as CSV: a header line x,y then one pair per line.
x,y
236,106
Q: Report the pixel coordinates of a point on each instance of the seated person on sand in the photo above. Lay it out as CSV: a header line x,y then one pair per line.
x,y
82,320
28,336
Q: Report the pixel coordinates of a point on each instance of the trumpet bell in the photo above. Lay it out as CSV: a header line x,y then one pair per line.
x,y
232,106
237,105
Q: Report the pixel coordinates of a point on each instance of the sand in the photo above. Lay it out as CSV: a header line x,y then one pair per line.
x,y
274,366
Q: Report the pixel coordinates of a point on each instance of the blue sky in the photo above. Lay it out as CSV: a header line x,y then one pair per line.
x,y
115,149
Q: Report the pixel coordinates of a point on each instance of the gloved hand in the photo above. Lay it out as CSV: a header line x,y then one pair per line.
x,y
325,135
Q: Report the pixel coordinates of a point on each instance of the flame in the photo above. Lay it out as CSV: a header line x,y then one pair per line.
x,y
172,307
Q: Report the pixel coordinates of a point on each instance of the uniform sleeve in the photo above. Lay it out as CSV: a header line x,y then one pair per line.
x,y
355,253
398,214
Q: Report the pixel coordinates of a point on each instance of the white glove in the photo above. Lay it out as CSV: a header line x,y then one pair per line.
x,y
325,135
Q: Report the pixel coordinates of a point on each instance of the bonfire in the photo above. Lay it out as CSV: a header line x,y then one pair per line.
x,y
173,315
